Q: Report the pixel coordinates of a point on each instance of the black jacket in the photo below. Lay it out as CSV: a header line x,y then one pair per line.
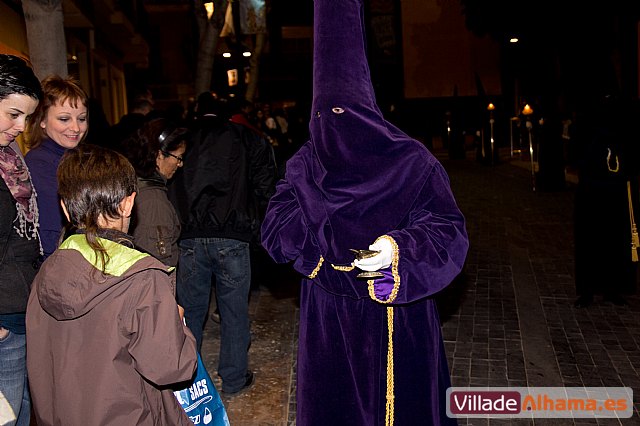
x,y
226,181
18,258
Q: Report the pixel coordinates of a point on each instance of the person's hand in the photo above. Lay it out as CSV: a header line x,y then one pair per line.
x,y
181,313
381,260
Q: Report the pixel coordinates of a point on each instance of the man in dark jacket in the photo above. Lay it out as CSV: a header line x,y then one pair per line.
x,y
140,113
220,196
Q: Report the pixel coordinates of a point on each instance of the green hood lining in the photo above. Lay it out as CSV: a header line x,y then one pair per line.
x,y
121,258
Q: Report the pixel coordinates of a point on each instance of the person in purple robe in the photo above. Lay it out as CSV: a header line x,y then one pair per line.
x,y
370,351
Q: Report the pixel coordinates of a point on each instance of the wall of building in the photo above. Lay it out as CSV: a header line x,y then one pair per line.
x,y
100,38
13,34
441,57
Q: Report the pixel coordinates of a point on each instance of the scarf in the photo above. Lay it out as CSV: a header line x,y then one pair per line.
x,y
15,174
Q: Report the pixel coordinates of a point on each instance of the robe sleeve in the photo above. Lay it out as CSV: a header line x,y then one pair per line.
x,y
285,235
163,349
433,246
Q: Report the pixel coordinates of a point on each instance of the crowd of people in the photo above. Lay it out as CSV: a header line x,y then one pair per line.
x,y
72,280
91,238
113,246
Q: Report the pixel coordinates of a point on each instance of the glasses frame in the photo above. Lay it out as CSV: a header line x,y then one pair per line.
x,y
168,154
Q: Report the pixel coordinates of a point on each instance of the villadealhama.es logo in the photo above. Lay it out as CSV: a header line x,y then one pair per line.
x,y
540,402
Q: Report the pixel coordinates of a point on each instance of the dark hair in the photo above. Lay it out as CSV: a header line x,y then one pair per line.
x,y
141,105
158,135
239,105
57,90
17,77
209,103
92,182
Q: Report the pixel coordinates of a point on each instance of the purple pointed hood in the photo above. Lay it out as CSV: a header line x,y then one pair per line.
x,y
365,173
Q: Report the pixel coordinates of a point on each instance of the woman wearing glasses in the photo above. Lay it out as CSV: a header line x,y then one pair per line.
x,y
155,151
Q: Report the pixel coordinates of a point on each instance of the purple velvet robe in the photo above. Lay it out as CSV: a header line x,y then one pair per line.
x,y
356,179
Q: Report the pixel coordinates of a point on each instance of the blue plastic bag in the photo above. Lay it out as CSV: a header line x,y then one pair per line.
x,y
201,400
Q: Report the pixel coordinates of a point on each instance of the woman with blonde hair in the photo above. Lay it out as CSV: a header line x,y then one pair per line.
x,y
59,123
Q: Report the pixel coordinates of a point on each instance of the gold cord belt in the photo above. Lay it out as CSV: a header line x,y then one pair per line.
x,y
390,397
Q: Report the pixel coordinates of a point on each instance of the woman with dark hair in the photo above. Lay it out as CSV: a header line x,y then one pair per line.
x,y
107,337
59,123
155,151
20,93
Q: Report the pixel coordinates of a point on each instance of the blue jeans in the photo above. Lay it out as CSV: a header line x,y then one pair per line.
x,y
228,261
13,377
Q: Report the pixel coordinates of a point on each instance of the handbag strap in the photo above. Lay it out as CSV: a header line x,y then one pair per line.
x,y
5,240
634,231
633,223
5,246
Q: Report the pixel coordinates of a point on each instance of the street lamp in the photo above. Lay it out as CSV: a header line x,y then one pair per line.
x,y
209,7
517,121
491,107
527,111
236,67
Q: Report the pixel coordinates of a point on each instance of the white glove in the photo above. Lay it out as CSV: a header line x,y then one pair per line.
x,y
381,260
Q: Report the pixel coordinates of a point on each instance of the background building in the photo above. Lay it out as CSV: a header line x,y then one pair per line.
x,y
104,41
432,62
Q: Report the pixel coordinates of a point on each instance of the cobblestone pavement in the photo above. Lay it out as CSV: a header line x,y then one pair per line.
x,y
508,319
